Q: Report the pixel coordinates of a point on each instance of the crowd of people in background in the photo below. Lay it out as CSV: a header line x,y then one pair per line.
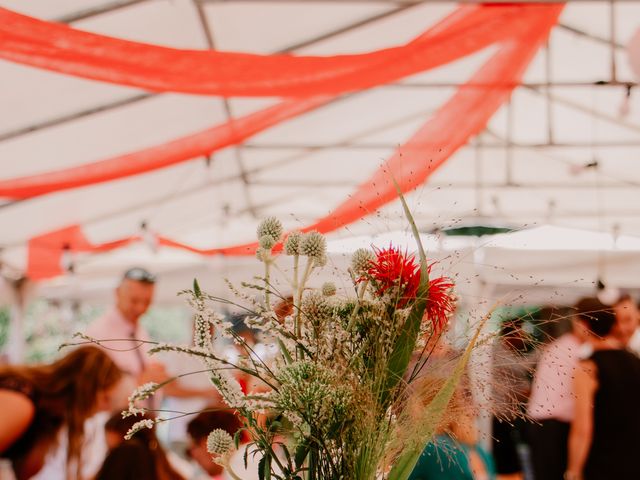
x,y
570,410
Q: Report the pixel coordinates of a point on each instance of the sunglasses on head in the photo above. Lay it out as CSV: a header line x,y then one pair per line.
x,y
140,275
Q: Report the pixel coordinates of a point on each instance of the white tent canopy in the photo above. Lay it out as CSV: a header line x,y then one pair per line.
x,y
559,153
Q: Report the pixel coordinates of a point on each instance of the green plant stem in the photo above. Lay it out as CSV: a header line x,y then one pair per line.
x,y
298,305
361,291
224,463
267,272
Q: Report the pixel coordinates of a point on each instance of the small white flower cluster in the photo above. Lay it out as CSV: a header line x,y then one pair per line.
x,y
143,392
136,427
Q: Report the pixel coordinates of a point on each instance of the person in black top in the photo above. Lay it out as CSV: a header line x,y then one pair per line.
x,y
605,434
139,458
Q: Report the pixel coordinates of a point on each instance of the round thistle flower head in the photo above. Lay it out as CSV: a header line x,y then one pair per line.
x,y
219,442
314,245
316,308
262,254
270,226
361,261
267,242
328,289
292,243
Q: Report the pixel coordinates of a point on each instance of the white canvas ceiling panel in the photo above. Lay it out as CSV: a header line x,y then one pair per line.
x,y
170,23
260,27
148,123
46,96
51,10
87,204
354,116
528,119
397,29
589,60
470,166
338,166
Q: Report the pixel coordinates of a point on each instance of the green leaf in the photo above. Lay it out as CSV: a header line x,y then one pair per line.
x,y
301,453
236,438
285,353
196,288
261,467
406,341
432,415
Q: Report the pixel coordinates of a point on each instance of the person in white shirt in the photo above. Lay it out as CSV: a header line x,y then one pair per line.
x,y
121,331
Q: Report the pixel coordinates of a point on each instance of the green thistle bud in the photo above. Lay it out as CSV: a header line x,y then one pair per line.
x,y
314,245
361,260
292,243
270,226
219,442
328,289
267,242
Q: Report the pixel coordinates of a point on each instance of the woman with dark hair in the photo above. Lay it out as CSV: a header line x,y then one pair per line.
x,y
38,401
139,458
604,440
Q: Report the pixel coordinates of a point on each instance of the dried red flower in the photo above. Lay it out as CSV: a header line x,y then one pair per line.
x,y
392,269
440,302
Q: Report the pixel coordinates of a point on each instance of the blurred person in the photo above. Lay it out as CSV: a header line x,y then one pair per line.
x,y
191,391
38,402
139,458
455,452
133,296
551,404
511,366
627,321
199,429
604,440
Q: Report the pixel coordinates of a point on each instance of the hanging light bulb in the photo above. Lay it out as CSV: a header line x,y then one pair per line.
x,y
607,295
625,106
66,259
149,238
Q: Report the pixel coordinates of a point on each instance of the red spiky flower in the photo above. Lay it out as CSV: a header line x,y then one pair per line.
x,y
393,269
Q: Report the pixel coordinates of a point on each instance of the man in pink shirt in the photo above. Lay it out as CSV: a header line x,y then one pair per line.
x,y
121,330
551,402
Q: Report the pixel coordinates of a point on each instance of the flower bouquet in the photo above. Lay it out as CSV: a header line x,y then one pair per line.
x,y
332,404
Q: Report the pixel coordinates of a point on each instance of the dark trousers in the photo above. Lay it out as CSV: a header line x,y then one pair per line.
x,y
548,443
506,436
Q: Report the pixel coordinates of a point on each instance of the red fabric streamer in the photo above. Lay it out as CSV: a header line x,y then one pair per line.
x,y
45,251
237,131
66,50
464,115
179,150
